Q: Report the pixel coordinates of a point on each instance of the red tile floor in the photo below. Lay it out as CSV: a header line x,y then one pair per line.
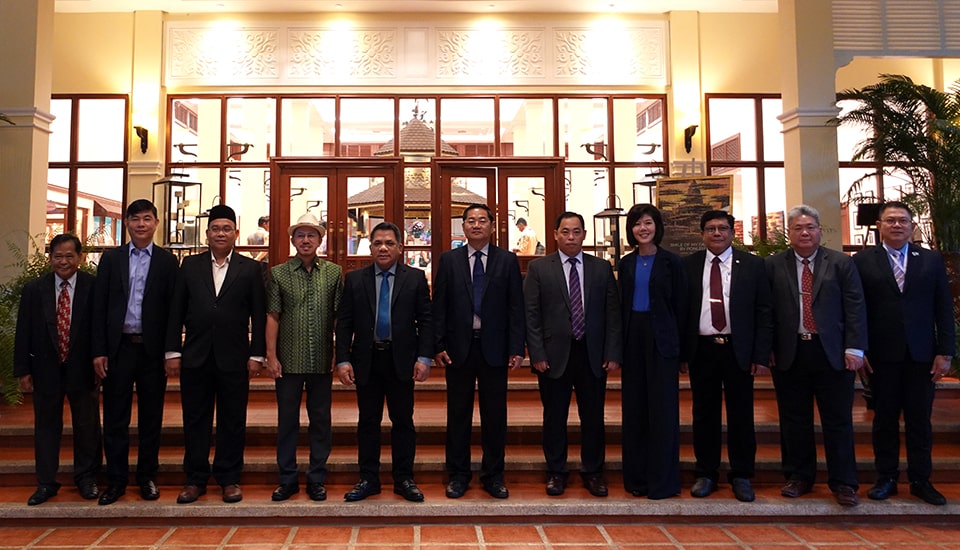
x,y
491,536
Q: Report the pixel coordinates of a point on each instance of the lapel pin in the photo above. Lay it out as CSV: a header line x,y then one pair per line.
x,y
914,253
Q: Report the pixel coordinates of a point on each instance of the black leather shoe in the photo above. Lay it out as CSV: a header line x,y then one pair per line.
x,y
596,485
927,493
88,489
796,488
316,491
149,490
496,489
639,491
408,490
111,495
882,489
846,495
742,489
703,487
41,495
456,488
361,490
283,492
556,485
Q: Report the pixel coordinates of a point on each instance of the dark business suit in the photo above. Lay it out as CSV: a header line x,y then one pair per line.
x,y
651,376
131,363
906,331
805,370
35,353
478,358
574,365
222,332
723,368
385,373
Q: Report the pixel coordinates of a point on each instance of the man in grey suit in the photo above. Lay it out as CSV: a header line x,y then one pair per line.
x,y
563,291
819,341
912,341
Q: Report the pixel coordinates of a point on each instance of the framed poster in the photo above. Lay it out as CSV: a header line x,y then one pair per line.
x,y
683,200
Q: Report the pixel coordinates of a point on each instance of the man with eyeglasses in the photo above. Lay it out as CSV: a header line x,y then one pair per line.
x,y
219,300
819,337
727,343
912,341
302,300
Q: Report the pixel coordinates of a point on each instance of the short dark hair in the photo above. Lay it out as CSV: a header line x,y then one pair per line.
x,y
894,204
521,220
66,238
474,206
140,206
568,214
710,215
638,211
263,220
387,226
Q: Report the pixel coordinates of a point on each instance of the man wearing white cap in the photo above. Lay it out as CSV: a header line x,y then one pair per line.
x,y
302,300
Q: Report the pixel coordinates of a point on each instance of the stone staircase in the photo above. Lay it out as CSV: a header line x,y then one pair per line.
x,y
524,471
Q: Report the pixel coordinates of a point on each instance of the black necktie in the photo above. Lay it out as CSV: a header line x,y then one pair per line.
x,y
478,275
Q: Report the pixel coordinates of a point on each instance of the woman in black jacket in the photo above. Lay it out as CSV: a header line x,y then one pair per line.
x,y
653,302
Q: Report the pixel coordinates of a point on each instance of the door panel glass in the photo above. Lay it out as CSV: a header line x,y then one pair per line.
x,y
251,129
525,208
638,129
195,130
366,127
583,129
417,218
467,126
248,194
101,124
60,130
526,127
464,190
365,209
308,127
99,205
308,195
745,203
733,133
58,185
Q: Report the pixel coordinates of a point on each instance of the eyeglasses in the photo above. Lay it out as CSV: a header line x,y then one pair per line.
x,y
897,221
716,229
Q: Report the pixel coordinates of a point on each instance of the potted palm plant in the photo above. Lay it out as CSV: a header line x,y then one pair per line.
x,y
914,132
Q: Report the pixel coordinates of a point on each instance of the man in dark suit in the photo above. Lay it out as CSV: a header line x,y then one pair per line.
x,y
912,341
51,357
220,300
132,294
728,338
819,338
384,344
574,339
479,328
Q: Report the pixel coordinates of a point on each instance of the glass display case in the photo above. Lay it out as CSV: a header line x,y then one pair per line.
x,y
178,207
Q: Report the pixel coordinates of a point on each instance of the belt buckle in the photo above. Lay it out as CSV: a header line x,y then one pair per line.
x,y
806,336
720,339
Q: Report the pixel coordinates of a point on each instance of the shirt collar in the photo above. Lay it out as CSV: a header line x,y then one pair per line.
x,y
392,270
72,281
811,257
903,251
485,250
564,258
213,258
724,256
132,247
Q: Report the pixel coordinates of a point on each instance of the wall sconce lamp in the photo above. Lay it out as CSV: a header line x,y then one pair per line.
x,y
688,133
143,134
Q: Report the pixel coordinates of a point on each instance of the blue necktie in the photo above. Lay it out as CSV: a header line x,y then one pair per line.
x,y
478,275
383,309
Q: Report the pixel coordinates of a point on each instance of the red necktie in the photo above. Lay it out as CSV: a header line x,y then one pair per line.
x,y
806,298
63,321
717,315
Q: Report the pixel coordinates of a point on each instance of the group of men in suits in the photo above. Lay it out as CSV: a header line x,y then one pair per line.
x,y
813,315
819,317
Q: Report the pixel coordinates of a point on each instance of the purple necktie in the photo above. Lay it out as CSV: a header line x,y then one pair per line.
x,y
576,301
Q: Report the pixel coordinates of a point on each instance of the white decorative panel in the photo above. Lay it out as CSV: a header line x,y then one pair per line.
x,y
341,54
410,53
218,55
481,55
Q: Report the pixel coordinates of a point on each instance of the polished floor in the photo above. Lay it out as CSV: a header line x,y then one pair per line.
x,y
499,536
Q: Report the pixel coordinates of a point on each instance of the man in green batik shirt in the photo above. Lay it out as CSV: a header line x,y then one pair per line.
x,y
302,300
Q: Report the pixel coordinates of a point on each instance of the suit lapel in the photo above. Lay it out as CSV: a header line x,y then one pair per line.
x,y
233,272
697,279
125,270
370,288
559,278
206,272
914,267
48,301
790,266
882,259
80,296
462,264
400,279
